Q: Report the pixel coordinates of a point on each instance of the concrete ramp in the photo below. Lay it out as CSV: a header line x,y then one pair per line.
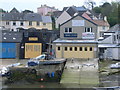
x,y
83,72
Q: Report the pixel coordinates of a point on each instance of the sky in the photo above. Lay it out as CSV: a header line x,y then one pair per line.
x,y
32,5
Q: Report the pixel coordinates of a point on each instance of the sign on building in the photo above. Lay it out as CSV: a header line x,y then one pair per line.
x,y
88,35
70,34
78,22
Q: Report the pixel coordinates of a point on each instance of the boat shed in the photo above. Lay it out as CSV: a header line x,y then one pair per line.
x,y
10,43
32,44
75,48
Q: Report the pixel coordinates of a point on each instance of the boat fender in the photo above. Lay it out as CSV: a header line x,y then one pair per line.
x,y
52,74
49,75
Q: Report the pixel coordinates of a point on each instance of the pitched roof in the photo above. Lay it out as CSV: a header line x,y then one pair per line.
x,y
46,19
114,28
80,15
14,10
8,36
13,16
71,11
101,22
57,13
33,17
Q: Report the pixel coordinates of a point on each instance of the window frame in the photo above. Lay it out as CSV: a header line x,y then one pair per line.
x,y
14,23
80,48
90,49
30,23
85,49
58,48
75,48
65,48
21,23
70,48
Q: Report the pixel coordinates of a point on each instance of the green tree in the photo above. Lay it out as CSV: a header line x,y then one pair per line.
x,y
97,9
111,10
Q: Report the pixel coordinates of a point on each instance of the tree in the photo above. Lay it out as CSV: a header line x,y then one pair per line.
x,y
111,10
90,4
97,10
106,9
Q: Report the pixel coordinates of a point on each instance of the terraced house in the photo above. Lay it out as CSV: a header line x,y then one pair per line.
x,y
14,20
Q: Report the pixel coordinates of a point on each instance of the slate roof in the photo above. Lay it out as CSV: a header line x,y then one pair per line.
x,y
14,10
13,16
57,13
33,17
114,28
25,17
71,11
46,19
8,36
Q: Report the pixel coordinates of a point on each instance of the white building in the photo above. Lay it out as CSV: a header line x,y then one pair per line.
x,y
109,47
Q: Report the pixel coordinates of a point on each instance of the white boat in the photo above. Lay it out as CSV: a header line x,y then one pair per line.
x,y
115,66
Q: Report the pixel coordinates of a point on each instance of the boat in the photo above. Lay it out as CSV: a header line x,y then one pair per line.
x,y
115,66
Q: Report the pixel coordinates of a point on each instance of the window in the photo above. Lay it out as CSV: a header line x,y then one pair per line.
x,y
85,48
90,48
38,23
30,23
80,48
44,23
101,34
65,48
68,30
75,48
114,38
117,37
58,48
103,27
88,29
21,23
70,48
14,23
7,23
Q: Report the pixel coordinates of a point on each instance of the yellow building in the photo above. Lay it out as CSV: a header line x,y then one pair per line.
x,y
75,48
33,50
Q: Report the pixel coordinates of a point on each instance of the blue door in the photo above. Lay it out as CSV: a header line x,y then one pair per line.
x,y
8,50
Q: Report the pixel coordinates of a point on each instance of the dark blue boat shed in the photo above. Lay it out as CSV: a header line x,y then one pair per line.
x,y
10,44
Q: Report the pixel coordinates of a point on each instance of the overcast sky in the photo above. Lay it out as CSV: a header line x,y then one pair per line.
x,y
33,4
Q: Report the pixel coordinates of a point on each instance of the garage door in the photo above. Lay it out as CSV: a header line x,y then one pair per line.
x,y
8,50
